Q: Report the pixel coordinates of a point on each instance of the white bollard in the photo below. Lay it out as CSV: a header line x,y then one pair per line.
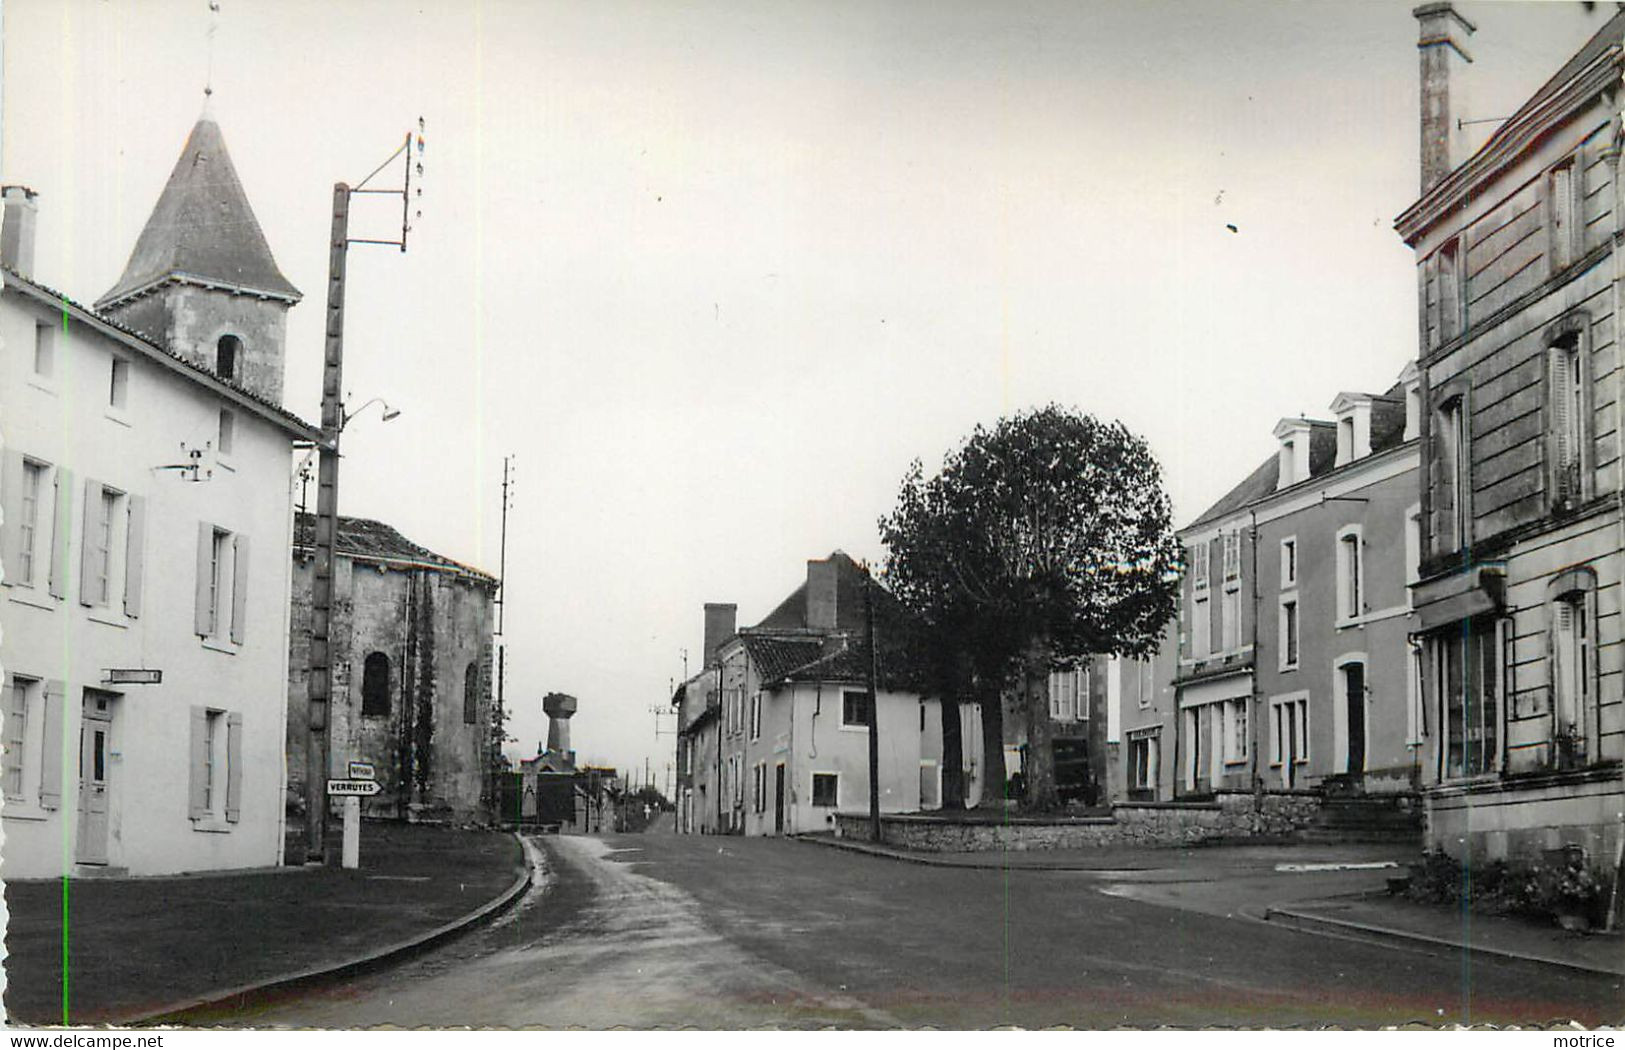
x,y
352,831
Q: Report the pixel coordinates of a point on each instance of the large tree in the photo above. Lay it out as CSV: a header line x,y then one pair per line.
x,y
1043,540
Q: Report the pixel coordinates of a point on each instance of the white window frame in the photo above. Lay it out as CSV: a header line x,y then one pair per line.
x,y
756,716
1413,695
1290,652
34,482
1230,617
1351,607
118,385
1201,638
1499,639
1235,730
1413,550
26,692
44,352
226,436
1341,702
1151,744
1199,565
1277,721
1069,694
1147,682
1289,562
1231,546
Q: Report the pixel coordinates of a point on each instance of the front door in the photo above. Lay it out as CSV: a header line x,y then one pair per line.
x,y
1354,693
95,735
778,799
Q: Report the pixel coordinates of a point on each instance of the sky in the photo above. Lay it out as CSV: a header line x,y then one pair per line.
x,y
715,273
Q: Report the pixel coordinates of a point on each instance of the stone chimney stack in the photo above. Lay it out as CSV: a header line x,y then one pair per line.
x,y
821,596
17,230
1444,141
720,624
558,708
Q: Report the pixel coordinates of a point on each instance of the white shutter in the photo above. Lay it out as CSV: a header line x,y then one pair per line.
x,y
61,532
239,588
202,610
134,550
197,765
50,786
90,561
11,505
234,766
1558,400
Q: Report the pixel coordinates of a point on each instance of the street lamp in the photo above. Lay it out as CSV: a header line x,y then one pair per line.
x,y
388,413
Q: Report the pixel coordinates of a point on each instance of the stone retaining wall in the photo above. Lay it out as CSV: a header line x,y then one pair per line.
x,y
1232,815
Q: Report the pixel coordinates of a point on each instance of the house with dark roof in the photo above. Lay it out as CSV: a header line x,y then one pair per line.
x,y
774,730
1291,669
412,673
1523,487
146,513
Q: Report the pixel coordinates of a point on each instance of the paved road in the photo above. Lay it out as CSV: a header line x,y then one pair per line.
x,y
655,931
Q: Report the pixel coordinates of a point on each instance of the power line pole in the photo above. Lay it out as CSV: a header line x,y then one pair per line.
x,y
874,705
499,717
319,691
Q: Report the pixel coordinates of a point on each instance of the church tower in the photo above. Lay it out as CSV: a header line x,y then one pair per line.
x,y
201,281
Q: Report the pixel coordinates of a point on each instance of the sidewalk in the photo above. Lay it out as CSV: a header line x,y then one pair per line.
x,y
1147,861
141,946
1397,919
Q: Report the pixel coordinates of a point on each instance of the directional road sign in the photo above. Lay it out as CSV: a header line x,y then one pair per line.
x,y
362,771
353,787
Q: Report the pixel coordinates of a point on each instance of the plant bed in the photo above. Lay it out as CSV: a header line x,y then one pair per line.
x,y
1559,889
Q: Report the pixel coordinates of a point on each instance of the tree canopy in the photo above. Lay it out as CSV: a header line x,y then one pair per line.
x,y
1043,540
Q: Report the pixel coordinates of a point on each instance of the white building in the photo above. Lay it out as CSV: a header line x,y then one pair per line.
x,y
147,507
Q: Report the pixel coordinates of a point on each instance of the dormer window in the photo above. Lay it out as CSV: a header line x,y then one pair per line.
x,y
226,352
1293,434
1411,380
1353,427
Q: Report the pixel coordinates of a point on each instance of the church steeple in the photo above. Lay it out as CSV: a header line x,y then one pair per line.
x,y
201,280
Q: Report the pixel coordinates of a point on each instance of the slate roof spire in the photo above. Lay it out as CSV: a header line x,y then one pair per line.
x,y
202,230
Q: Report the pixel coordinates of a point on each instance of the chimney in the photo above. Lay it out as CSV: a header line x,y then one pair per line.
x,y
1444,142
559,707
17,230
821,602
720,625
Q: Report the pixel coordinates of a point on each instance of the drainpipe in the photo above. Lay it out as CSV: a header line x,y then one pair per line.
x,y
1252,714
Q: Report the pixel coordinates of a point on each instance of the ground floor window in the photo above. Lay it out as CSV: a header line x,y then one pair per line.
x,y
930,795
1289,731
1469,677
1574,668
1235,730
1142,762
825,789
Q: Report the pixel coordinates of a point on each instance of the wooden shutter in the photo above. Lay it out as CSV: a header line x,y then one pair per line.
x,y
134,549
234,766
11,504
202,621
61,532
197,761
50,781
239,588
1558,402
87,543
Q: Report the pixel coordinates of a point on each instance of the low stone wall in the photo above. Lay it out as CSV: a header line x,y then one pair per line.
x,y
1232,815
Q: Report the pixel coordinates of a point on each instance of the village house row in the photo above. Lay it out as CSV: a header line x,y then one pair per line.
x,y
1414,603
157,578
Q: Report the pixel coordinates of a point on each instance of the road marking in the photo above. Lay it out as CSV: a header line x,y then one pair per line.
x,y
1369,865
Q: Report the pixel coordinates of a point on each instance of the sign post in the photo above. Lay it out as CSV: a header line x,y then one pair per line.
x,y
352,790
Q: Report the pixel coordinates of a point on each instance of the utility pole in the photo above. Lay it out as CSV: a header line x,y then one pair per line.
x,y
319,691
499,717
874,706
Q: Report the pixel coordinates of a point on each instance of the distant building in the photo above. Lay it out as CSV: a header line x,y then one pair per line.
x,y
1522,521
147,502
412,670
774,735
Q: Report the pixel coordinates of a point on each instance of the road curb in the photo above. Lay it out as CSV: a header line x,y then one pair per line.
x,y
991,864
1325,925
359,964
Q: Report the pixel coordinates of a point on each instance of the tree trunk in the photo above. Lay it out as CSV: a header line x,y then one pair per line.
x,y
1042,795
993,774
953,756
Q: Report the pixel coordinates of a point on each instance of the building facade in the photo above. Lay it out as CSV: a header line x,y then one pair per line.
x,y
412,675
1294,670
774,731
147,505
1518,597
